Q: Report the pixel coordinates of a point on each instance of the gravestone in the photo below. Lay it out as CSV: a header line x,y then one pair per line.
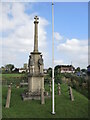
x,y
36,74
17,86
42,97
71,94
50,87
46,93
59,89
8,97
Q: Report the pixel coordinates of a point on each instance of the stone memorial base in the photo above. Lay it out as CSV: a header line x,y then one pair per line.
x,y
35,83
31,95
34,95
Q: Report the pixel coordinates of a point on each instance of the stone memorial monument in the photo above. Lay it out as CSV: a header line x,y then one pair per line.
x,y
36,75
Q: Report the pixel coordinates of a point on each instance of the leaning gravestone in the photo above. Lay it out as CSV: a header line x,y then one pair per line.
x,y
71,94
50,87
59,89
42,97
8,97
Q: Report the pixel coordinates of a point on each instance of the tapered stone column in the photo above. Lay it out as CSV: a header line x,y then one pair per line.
x,y
36,34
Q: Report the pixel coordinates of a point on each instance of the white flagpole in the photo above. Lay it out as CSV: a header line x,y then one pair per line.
x,y
53,111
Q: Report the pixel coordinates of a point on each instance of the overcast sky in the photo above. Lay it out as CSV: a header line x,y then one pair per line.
x,y
70,31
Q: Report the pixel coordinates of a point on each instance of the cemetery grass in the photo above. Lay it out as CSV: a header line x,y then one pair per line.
x,y
13,78
33,109
12,75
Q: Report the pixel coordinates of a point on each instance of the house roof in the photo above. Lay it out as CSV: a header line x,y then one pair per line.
x,y
66,66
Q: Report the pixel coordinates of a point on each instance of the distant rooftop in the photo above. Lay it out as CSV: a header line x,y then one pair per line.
x,y
65,66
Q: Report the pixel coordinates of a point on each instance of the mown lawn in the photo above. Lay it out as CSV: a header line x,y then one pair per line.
x,y
13,75
12,78
33,109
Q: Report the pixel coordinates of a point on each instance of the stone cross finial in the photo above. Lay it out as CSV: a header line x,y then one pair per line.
x,y
36,18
